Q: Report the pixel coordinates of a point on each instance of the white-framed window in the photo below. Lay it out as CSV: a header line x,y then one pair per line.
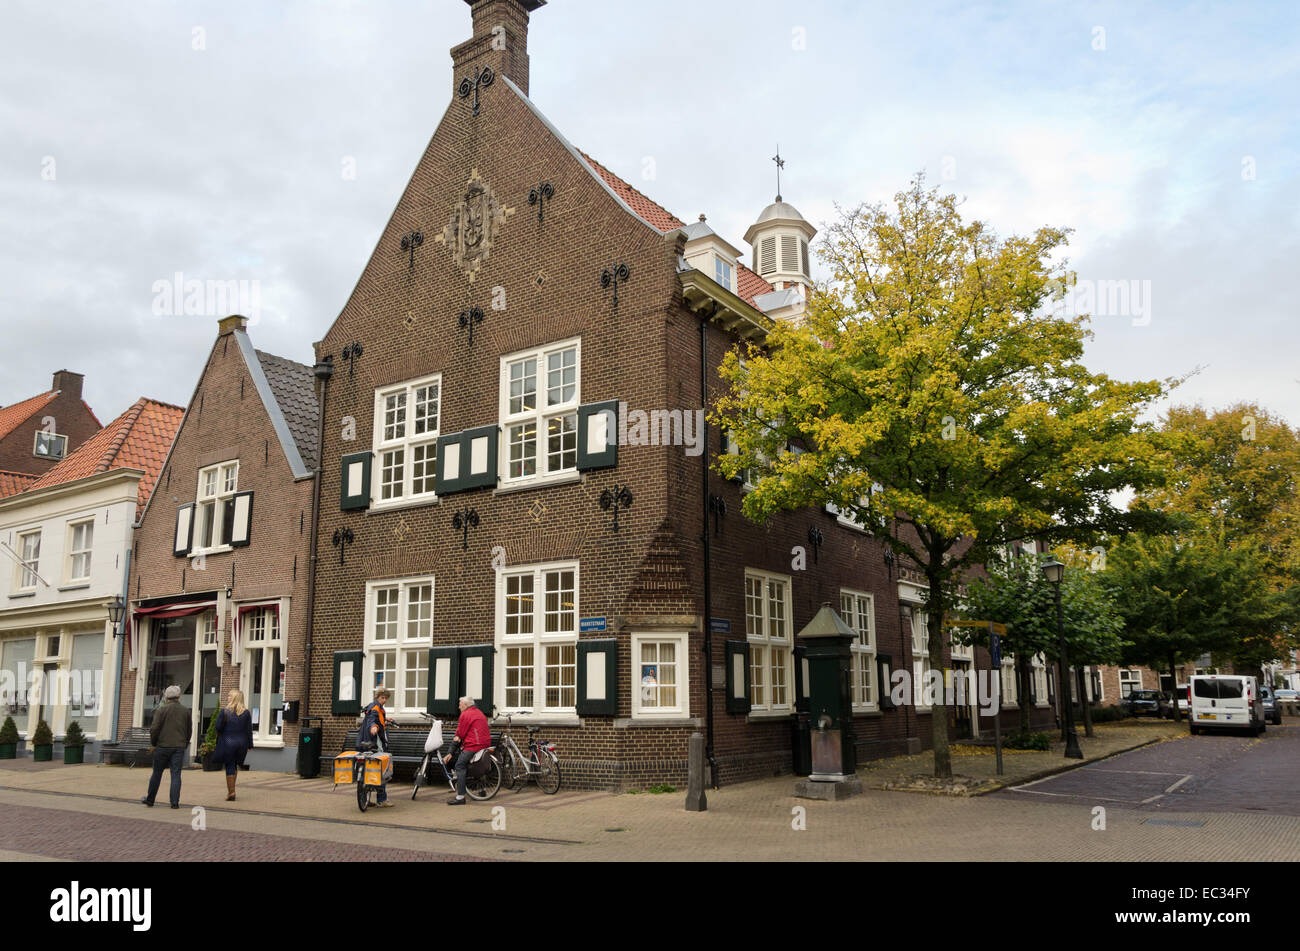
x,y
215,503
399,633
537,637
29,555
81,536
858,609
660,680
207,626
1040,680
86,685
920,656
1129,680
264,670
724,273
768,630
1010,693
407,425
540,394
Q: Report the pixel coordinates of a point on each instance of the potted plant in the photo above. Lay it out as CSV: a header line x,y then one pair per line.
x,y
209,745
74,744
42,743
8,739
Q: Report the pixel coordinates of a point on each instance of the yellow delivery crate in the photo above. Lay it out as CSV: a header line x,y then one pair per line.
x,y
379,769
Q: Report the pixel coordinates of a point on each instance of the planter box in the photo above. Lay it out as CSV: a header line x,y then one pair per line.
x,y
8,750
74,754
211,767
43,754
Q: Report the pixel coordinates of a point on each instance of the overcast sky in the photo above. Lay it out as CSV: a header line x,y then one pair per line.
x,y
143,139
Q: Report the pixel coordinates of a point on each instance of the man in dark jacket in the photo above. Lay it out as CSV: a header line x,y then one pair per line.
x,y
170,734
374,728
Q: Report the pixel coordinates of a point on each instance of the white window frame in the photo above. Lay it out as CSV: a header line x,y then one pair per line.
x,y
265,615
73,552
863,648
920,657
541,415
538,639
1009,685
763,642
1132,682
724,273
1040,680
406,442
224,488
681,646
27,571
412,639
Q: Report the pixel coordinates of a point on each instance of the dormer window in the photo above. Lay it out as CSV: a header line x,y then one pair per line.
x,y
725,274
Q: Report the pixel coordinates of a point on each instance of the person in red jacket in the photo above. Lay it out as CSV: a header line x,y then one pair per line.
x,y
472,735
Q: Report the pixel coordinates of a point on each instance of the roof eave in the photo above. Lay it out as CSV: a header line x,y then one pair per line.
x,y
730,311
67,488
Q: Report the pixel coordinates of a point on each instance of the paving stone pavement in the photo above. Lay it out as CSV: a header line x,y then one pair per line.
x,y
758,821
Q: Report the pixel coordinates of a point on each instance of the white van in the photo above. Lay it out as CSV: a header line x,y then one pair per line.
x,y
1226,702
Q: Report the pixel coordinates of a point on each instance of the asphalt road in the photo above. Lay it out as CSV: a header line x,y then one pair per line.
x,y
1215,772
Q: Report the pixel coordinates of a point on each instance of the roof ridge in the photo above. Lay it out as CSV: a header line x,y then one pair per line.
x,y
126,422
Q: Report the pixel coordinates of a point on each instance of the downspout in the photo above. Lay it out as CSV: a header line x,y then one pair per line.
x,y
708,558
324,370
117,642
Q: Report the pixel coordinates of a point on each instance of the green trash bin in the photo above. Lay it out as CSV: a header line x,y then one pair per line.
x,y
310,735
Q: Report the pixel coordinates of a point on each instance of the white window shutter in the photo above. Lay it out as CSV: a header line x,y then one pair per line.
x,y
242,524
184,531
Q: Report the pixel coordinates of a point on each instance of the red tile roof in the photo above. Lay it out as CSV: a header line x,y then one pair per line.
x,y
11,417
748,284
11,483
138,439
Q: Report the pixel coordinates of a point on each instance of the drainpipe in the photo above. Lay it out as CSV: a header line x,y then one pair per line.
x,y
324,370
708,558
117,642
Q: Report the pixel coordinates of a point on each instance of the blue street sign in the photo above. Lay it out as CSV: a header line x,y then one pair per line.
x,y
720,625
589,624
995,648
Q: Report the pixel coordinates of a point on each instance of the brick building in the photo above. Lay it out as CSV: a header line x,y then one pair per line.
x,y
516,495
36,433
219,580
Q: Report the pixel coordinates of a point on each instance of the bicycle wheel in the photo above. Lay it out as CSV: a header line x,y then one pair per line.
x,y
548,773
487,785
363,796
419,776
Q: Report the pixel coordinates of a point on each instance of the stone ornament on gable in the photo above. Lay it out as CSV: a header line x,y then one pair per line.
x,y
476,221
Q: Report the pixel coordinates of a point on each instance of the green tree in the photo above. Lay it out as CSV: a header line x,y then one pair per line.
x,y
935,403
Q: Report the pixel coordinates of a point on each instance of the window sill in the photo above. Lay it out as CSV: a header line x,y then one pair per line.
x,y
80,586
276,743
765,715
544,720
646,720
383,508
872,714
209,552
24,594
514,488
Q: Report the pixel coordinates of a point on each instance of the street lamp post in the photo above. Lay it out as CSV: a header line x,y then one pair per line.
x,y
116,611
1054,571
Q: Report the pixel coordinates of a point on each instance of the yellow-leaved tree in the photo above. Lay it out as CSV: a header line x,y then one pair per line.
x,y
929,396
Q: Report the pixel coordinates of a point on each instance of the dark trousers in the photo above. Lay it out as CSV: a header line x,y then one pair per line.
x,y
164,757
462,771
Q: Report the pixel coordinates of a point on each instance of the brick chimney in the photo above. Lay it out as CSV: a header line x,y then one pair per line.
x,y
230,324
68,383
500,41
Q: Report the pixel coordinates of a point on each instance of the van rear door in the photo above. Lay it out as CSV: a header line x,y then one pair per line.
x,y
1225,701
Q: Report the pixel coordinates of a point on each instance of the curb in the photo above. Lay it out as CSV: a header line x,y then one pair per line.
x,y
1067,767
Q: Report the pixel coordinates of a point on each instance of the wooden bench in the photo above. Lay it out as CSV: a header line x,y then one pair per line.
x,y
133,749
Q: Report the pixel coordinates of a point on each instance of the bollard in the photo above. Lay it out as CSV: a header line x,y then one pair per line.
x,y
695,800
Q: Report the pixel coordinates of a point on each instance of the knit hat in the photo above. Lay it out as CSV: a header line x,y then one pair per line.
x,y
172,693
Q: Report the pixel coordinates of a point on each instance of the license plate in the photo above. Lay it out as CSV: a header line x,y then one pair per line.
x,y
1209,716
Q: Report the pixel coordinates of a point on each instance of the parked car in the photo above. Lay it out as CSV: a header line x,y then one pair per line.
x,y
1226,701
1272,709
1291,696
1184,693
1151,703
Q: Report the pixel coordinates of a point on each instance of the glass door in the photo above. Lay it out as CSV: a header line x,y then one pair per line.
x,y
171,662
210,699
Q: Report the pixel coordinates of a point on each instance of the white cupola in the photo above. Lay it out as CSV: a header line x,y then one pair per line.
x,y
780,239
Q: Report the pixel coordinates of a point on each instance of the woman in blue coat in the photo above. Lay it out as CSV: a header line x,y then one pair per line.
x,y
234,738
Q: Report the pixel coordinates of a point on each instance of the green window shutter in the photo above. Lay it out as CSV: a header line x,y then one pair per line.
x,y
598,436
241,520
444,681
801,699
453,465
354,488
479,458
345,699
184,538
737,676
476,676
598,678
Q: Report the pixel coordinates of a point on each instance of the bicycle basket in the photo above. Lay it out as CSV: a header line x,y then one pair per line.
x,y
480,764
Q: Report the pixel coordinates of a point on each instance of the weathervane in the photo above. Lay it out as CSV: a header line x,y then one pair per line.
x,y
780,164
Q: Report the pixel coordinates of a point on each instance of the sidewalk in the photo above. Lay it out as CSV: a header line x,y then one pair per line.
x,y
757,821
979,764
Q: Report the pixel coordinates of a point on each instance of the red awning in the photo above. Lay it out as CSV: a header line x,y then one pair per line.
x,y
175,610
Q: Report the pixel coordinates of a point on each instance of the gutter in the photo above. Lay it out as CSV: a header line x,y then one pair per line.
x,y
708,557
324,371
117,642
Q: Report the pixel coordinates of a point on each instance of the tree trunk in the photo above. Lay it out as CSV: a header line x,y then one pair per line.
x,y
1173,679
939,709
1083,702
